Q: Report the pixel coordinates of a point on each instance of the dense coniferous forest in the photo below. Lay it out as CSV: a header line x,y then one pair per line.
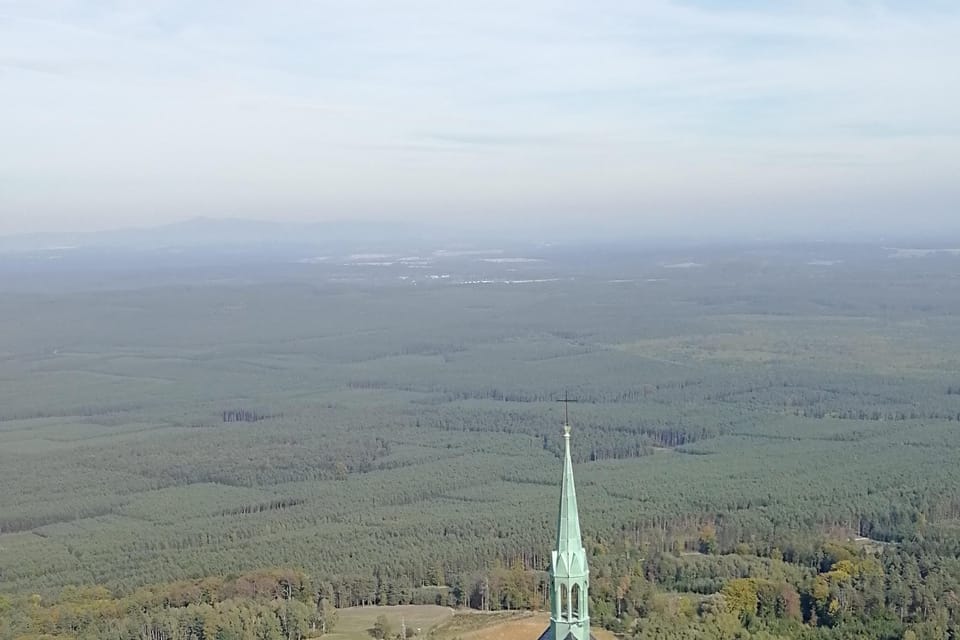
x,y
765,441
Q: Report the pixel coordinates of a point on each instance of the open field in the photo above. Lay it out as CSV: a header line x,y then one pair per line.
x,y
356,623
523,627
501,625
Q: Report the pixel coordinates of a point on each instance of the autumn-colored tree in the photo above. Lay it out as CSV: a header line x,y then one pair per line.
x,y
788,603
707,540
740,596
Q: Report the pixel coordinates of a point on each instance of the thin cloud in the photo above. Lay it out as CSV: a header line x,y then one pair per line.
x,y
499,140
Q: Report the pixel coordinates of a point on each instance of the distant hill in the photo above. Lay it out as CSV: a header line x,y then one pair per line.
x,y
202,232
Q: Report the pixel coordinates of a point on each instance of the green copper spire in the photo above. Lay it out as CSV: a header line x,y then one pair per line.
x,y
568,520
569,574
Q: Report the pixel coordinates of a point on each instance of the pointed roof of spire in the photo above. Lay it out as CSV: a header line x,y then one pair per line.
x,y
568,522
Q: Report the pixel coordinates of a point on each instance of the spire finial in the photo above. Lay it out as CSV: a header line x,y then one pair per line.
x,y
566,415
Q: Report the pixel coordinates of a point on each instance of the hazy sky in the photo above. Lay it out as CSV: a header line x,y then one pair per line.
x,y
643,114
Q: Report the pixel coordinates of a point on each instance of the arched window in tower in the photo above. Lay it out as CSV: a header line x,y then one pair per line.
x,y
564,602
575,601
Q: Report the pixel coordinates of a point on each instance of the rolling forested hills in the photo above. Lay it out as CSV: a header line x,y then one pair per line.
x,y
746,418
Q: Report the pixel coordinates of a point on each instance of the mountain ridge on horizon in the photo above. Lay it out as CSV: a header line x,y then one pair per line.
x,y
358,235
203,231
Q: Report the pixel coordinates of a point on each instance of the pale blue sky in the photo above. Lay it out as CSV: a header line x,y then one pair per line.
x,y
668,116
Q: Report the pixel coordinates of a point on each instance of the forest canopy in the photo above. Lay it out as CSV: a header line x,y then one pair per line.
x,y
765,444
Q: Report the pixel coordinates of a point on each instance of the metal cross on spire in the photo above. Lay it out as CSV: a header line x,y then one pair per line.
x,y
566,412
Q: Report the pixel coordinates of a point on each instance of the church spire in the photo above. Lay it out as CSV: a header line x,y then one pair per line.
x,y
569,574
568,520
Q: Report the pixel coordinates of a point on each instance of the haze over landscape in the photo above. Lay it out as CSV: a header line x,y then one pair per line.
x,y
311,311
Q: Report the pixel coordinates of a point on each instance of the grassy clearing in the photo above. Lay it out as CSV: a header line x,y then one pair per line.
x,y
355,623
511,625
466,623
501,625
